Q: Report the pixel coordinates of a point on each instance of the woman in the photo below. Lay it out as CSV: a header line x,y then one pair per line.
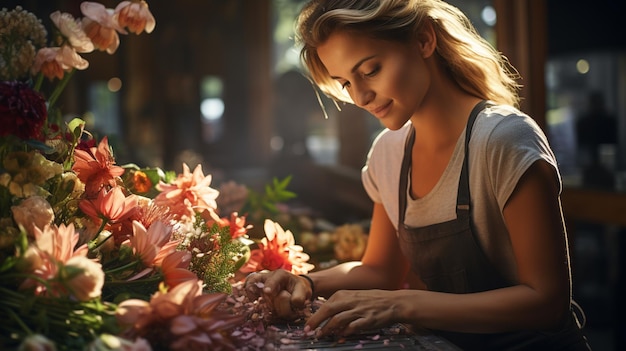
x,y
465,186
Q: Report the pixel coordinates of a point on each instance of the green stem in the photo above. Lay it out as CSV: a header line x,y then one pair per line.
x,y
59,89
121,268
38,82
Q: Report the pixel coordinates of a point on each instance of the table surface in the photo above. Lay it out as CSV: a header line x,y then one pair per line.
x,y
397,337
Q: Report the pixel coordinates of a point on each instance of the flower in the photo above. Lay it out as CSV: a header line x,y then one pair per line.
x,y
135,16
183,318
100,256
190,192
23,111
96,167
101,26
278,251
21,35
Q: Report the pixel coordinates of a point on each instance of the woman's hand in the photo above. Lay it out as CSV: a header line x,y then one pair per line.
x,y
286,294
349,311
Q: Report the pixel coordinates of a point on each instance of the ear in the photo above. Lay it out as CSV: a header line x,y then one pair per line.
x,y
427,39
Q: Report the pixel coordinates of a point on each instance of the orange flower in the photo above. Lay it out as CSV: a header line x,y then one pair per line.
x,y
135,16
236,224
100,25
96,168
278,251
147,243
141,182
111,205
188,193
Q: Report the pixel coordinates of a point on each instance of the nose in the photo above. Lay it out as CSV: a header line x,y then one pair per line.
x,y
362,95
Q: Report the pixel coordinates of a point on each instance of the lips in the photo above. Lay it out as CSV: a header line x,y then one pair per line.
x,y
381,110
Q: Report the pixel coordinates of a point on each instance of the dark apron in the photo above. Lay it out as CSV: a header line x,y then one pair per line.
x,y
448,258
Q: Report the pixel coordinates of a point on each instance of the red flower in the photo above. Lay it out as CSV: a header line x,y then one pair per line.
x,y
23,111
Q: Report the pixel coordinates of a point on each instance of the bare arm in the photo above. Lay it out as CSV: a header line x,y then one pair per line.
x,y
540,301
382,267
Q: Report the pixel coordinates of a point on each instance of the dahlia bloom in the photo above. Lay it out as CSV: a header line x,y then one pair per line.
x,y
23,111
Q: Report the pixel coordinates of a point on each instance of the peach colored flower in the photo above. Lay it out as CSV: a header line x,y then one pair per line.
x,y
135,16
111,205
96,168
46,63
54,62
147,243
278,251
100,25
188,193
182,317
87,284
33,212
175,268
54,259
72,30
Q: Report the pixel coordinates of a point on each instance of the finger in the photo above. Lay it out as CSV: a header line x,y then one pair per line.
x,y
339,324
282,305
275,282
301,293
253,285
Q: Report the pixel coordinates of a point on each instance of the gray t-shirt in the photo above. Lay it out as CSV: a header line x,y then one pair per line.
x,y
503,144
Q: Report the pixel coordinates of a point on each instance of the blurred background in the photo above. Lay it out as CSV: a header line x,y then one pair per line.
x,y
217,83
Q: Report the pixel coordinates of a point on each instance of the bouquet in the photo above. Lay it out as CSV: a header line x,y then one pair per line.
x,y
97,255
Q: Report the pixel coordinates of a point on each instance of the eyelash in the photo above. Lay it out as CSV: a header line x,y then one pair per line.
x,y
367,75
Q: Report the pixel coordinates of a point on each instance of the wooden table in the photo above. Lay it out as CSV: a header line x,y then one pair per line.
x,y
398,337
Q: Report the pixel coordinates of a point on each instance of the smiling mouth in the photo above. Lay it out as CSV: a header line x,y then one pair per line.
x,y
380,110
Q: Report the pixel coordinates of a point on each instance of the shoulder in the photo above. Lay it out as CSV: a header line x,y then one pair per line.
x,y
503,125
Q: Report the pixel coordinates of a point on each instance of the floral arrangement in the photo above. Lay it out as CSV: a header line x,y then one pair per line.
x,y
100,256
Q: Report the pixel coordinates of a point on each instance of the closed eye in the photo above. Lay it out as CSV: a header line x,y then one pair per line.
x,y
373,72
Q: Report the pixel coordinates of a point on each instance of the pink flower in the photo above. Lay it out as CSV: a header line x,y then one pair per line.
x,y
175,268
147,243
33,212
72,31
111,205
182,317
54,62
135,16
66,269
188,193
278,251
101,26
96,168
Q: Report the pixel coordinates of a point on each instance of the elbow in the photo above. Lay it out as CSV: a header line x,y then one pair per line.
x,y
554,313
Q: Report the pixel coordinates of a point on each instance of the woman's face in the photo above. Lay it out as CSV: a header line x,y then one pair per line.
x,y
388,79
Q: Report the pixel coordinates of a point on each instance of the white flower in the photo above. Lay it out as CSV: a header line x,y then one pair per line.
x,y
73,31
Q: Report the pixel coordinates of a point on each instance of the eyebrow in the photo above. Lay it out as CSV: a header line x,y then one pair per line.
x,y
356,66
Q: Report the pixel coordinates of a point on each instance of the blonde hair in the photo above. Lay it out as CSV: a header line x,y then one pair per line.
x,y
471,60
